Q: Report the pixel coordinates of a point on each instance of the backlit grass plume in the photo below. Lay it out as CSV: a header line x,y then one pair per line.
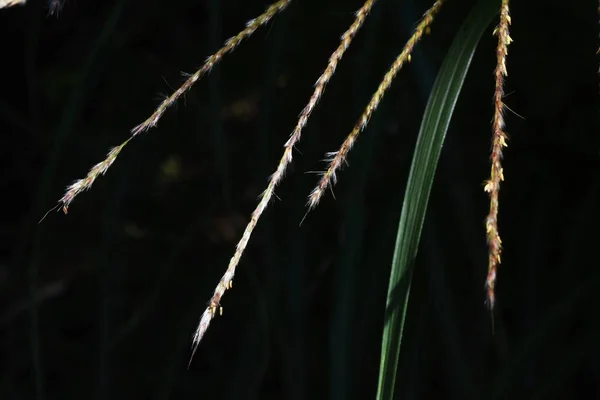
x,y
492,186
338,158
286,159
335,160
100,169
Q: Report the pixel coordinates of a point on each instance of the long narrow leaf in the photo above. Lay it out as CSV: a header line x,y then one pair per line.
x,y
435,123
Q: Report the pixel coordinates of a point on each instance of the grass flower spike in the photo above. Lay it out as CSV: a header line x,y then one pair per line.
x,y
338,158
438,116
276,178
99,169
492,186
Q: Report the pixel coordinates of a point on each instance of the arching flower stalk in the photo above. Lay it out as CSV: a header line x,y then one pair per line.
x,y
100,169
337,158
276,178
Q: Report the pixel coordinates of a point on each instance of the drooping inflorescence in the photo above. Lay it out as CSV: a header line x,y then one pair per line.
x,y
277,176
338,158
100,169
492,185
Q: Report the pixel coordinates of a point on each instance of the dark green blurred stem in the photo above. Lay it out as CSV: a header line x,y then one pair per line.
x,y
252,360
268,151
34,117
68,118
285,269
468,234
110,276
536,250
347,292
426,155
571,360
214,90
106,271
456,198
458,375
179,356
584,347
294,315
556,319
251,364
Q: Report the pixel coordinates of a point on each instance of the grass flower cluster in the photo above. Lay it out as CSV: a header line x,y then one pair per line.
x,y
492,186
336,159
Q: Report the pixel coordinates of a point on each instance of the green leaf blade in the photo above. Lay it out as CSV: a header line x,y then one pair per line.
x,y
434,126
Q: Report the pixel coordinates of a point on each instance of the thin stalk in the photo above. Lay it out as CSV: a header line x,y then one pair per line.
x,y
337,158
100,169
286,159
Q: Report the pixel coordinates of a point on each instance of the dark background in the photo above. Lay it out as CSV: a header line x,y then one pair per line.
x,y
102,303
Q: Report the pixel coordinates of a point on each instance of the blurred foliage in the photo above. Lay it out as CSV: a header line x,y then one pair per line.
x,y
102,303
